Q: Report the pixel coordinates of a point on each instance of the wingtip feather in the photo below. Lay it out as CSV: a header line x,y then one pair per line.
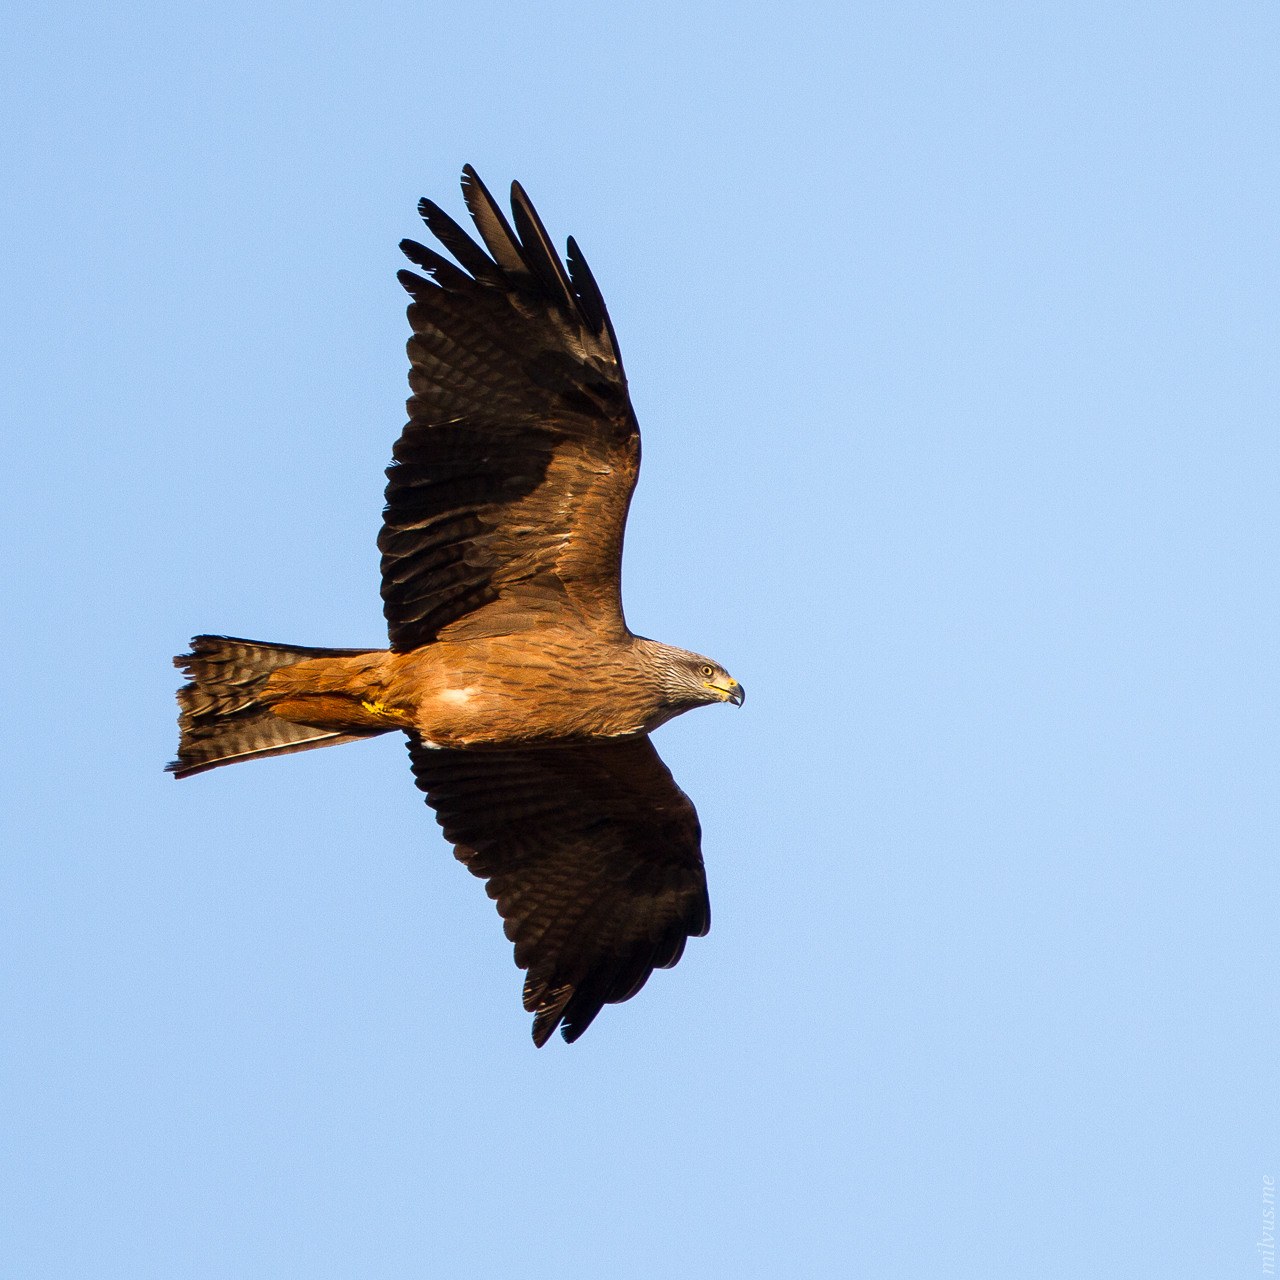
x,y
472,257
541,254
492,224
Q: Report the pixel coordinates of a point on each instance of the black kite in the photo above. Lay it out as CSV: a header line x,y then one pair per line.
x,y
526,700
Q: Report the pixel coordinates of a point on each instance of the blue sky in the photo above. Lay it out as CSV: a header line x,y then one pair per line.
x,y
952,333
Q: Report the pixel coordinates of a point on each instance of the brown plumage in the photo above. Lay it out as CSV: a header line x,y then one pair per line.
x,y
526,699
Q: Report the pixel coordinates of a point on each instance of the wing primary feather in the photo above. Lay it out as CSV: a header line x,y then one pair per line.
x,y
584,284
494,229
592,298
472,257
540,252
413,284
549,1015
442,270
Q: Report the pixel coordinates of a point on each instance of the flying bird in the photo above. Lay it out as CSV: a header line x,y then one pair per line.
x,y
526,700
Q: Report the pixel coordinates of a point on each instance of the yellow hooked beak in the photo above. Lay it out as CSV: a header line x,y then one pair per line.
x,y
729,691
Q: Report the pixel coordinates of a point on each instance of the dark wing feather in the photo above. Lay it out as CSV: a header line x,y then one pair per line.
x,y
461,245
508,496
590,298
493,226
443,272
592,854
540,253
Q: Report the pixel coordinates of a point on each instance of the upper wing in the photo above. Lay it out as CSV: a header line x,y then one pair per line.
x,y
592,853
509,491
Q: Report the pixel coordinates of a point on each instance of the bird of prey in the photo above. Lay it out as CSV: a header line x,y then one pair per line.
x,y
526,700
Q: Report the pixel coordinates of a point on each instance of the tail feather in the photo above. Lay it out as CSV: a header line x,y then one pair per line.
x,y
221,717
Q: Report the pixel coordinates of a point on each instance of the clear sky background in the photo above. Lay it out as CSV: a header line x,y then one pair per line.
x,y
952,331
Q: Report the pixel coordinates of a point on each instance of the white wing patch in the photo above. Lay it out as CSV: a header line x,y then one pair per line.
x,y
459,697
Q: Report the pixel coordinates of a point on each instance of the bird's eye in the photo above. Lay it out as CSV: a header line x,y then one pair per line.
x,y
706,671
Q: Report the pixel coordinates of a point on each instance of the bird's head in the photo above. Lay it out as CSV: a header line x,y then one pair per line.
x,y
692,680
716,683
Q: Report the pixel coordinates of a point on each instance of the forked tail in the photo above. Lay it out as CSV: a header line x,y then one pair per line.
x,y
221,717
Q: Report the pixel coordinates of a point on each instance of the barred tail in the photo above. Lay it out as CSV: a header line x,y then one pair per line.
x,y
221,719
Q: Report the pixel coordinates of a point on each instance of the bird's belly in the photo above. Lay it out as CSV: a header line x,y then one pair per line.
x,y
476,715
